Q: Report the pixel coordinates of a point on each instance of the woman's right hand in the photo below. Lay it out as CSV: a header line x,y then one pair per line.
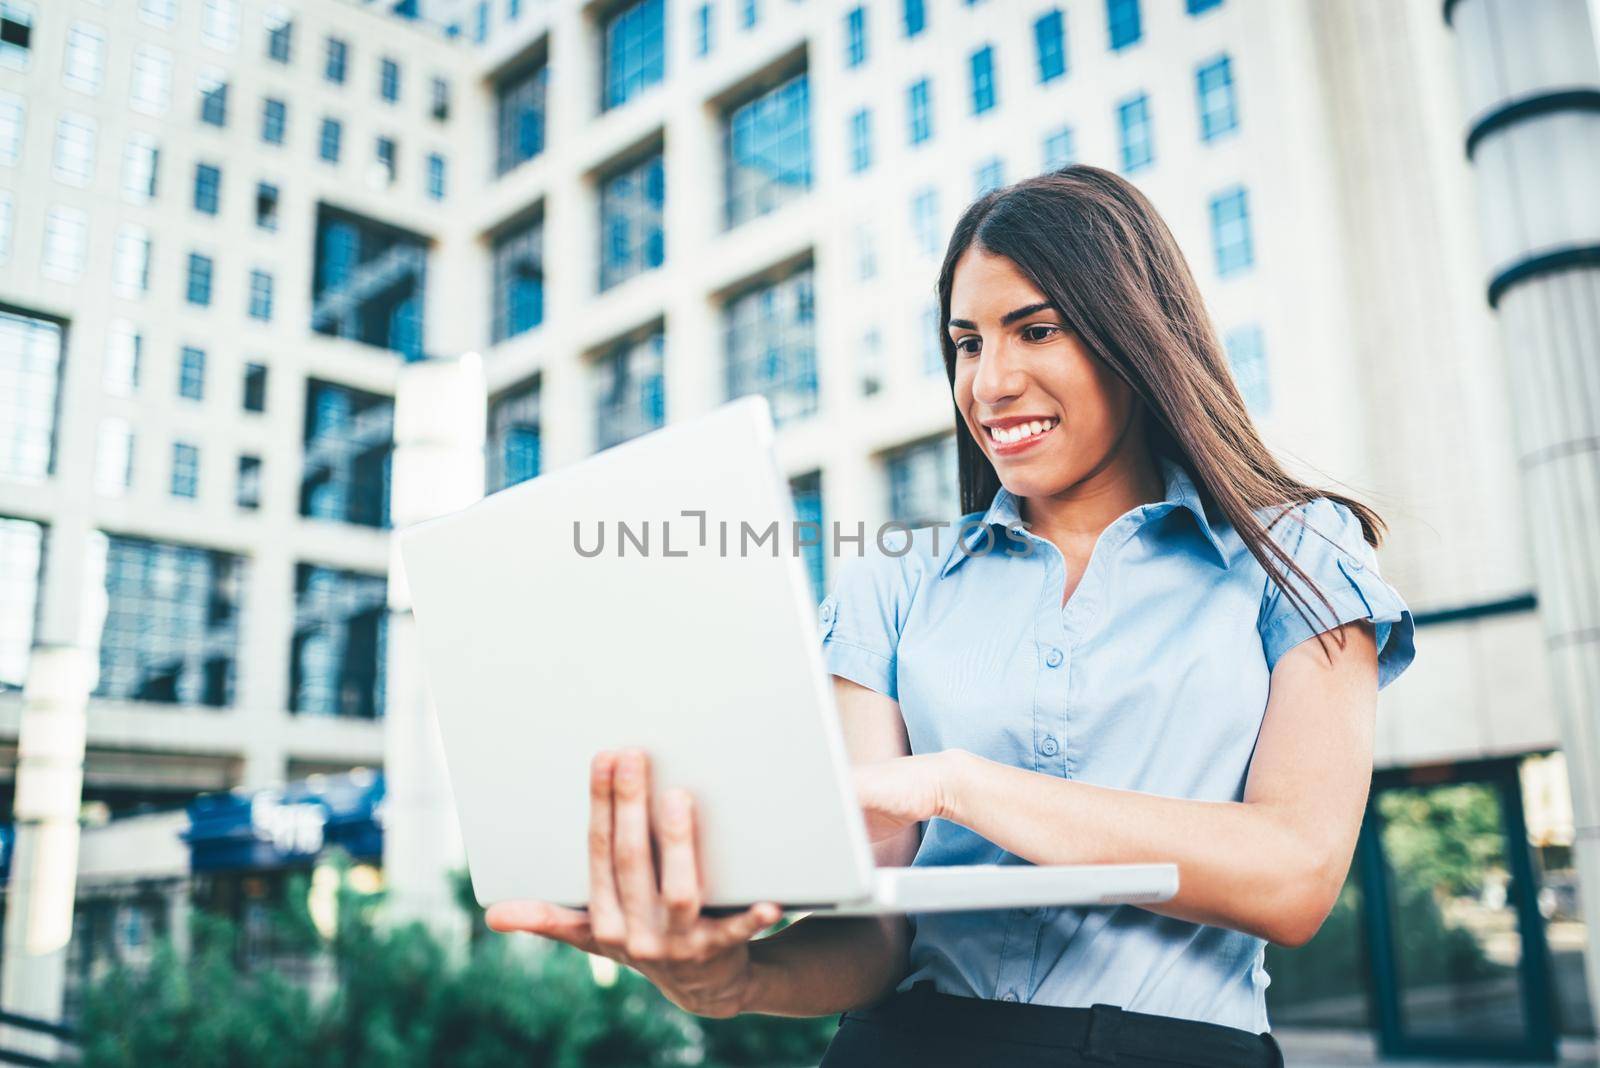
x,y
646,918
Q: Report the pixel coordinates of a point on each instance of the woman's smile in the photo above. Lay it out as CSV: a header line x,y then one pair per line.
x,y
1010,436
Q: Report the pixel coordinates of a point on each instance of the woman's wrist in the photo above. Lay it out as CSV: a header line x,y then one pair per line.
x,y
954,779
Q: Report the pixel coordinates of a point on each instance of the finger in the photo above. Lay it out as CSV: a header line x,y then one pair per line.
x,y
543,919
680,869
745,925
605,912
635,867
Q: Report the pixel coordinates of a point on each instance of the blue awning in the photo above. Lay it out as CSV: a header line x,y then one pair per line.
x,y
287,826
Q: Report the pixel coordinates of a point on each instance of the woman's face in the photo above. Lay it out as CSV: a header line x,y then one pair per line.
x,y
1043,409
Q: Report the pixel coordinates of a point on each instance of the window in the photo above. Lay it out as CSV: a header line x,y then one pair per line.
x,y
770,333
337,661
855,37
866,253
1133,120
631,236
389,80
1198,7
12,120
520,111
982,68
171,632
635,54
336,61
74,162
383,153
151,90
266,206
213,98
30,363
439,99
919,112
140,159
192,373
247,489
914,16
185,470
328,140
1123,24
989,175
767,151
629,389
198,287
119,376
274,121
85,65
7,224
1247,355
1050,45
807,493
207,188
861,140
159,13
349,436
436,175
113,458
932,345
255,387
16,34
21,554
480,22
513,9
704,30
368,282
130,265
518,280
514,436
1214,93
219,24
749,13
280,35
925,220
1230,231
922,482
66,236
1059,150
261,295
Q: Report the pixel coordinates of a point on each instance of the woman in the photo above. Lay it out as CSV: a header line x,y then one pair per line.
x,y
1181,664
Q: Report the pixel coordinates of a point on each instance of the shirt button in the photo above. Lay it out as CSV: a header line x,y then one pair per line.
x,y
1009,995
826,613
1054,657
1048,746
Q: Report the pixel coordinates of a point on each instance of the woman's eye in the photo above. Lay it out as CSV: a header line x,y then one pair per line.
x,y
1039,331
967,346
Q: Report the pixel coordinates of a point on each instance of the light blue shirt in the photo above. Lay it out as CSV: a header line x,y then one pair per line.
x,y
1153,677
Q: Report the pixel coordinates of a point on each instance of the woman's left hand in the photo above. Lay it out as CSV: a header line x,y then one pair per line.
x,y
897,793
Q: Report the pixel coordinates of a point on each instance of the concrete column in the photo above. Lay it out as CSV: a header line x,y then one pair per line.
x,y
1532,86
440,411
44,866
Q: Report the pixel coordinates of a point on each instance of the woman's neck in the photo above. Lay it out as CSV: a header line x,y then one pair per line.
x,y
1074,518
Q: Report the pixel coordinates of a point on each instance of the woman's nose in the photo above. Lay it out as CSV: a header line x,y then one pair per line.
x,y
998,379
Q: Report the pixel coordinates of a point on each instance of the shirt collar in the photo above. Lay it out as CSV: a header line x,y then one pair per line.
x,y
1005,511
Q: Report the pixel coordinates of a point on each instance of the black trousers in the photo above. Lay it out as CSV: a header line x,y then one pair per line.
x,y
921,1028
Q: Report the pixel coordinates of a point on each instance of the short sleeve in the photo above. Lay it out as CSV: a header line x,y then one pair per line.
x,y
1330,548
860,619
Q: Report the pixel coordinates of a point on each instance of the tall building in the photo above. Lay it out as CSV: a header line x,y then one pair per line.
x,y
226,227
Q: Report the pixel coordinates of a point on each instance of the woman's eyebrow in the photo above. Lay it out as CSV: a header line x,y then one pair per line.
x,y
1007,319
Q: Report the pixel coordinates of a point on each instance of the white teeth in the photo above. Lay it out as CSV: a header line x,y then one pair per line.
x,y
1011,435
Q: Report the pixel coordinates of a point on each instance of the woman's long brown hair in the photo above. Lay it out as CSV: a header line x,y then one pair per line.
x,y
1099,252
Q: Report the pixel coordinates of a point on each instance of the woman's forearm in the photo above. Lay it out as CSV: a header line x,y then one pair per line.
x,y
821,966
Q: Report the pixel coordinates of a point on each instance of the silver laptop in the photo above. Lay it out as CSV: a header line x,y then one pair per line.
x,y
654,595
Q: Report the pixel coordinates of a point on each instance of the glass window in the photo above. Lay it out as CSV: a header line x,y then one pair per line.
x,y
171,632
1247,355
336,61
13,116
767,151
160,13
369,282
1123,23
30,362
982,69
21,560
1214,94
85,66
213,97
389,80
439,99
806,490
932,349
518,280
130,264
192,373
749,13
140,159
704,29
261,295
514,436
16,34
1197,7
770,333
480,22
274,121
151,90
989,175
520,109
922,482
349,437
1050,44
919,112
255,387
866,253
207,188
855,36
338,657
914,16
1059,149
113,458
629,397
280,34
219,24
198,287
631,236
635,55
328,140
74,162
861,140
1138,146
247,488
266,206
436,176
1230,231
66,239
124,352
384,153
185,470
925,220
